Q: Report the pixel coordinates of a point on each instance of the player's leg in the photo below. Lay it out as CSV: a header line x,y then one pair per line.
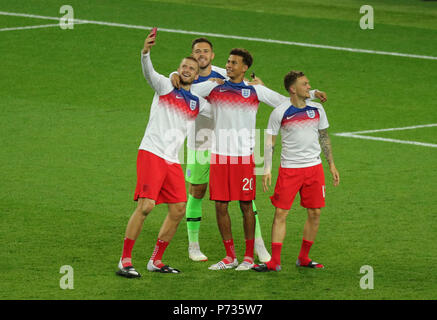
x,y
197,175
176,212
312,223
133,230
224,225
219,192
174,194
134,227
146,193
312,198
260,248
287,185
278,235
196,192
309,235
279,229
249,234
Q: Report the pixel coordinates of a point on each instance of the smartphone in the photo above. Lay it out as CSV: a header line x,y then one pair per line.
x,y
252,75
154,31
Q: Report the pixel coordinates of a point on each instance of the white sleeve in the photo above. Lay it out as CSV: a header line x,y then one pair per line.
x,y
157,81
313,95
203,89
323,122
222,71
205,108
268,96
171,74
274,123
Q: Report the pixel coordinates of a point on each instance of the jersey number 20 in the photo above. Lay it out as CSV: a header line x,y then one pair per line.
x,y
248,184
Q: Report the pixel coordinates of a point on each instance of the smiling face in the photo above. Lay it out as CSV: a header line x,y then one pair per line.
x,y
235,67
297,84
188,70
301,87
203,53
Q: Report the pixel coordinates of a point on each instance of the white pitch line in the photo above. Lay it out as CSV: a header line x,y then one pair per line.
x,y
31,27
350,135
226,36
35,27
391,129
359,135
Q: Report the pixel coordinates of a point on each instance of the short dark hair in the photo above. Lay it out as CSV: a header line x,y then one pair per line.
x,y
247,57
291,77
200,40
192,58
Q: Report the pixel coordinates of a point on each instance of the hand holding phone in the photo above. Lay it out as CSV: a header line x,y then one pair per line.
x,y
150,40
153,33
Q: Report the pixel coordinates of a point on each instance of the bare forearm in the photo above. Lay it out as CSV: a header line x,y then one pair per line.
x,y
269,148
268,158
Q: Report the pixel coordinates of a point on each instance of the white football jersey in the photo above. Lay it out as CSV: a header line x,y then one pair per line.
x,y
200,137
299,133
172,113
234,108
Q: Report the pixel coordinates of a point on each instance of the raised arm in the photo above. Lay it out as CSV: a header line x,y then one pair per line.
x,y
325,143
157,81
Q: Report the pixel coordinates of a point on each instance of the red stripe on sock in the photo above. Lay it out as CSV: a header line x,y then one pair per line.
x,y
160,247
249,249
230,249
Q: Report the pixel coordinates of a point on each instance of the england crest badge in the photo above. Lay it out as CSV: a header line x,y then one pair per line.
x,y
193,104
245,93
311,113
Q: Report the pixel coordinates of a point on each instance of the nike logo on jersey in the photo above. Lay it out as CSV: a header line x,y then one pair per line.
x,y
288,118
223,90
179,97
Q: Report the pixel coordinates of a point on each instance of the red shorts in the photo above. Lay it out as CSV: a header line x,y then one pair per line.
x,y
309,182
232,178
159,179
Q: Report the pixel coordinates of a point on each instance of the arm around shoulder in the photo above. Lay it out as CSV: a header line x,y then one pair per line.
x,y
268,96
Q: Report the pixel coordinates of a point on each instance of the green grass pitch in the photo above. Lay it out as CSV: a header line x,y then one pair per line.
x,y
74,106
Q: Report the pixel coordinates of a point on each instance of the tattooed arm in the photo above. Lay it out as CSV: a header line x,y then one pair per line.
x,y
325,143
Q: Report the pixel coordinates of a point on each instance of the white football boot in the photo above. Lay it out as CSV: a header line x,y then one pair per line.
x,y
261,251
128,272
194,252
223,266
245,265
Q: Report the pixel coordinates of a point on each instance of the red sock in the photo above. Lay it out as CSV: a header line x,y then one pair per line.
x,y
159,252
276,252
304,251
248,255
230,249
126,256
